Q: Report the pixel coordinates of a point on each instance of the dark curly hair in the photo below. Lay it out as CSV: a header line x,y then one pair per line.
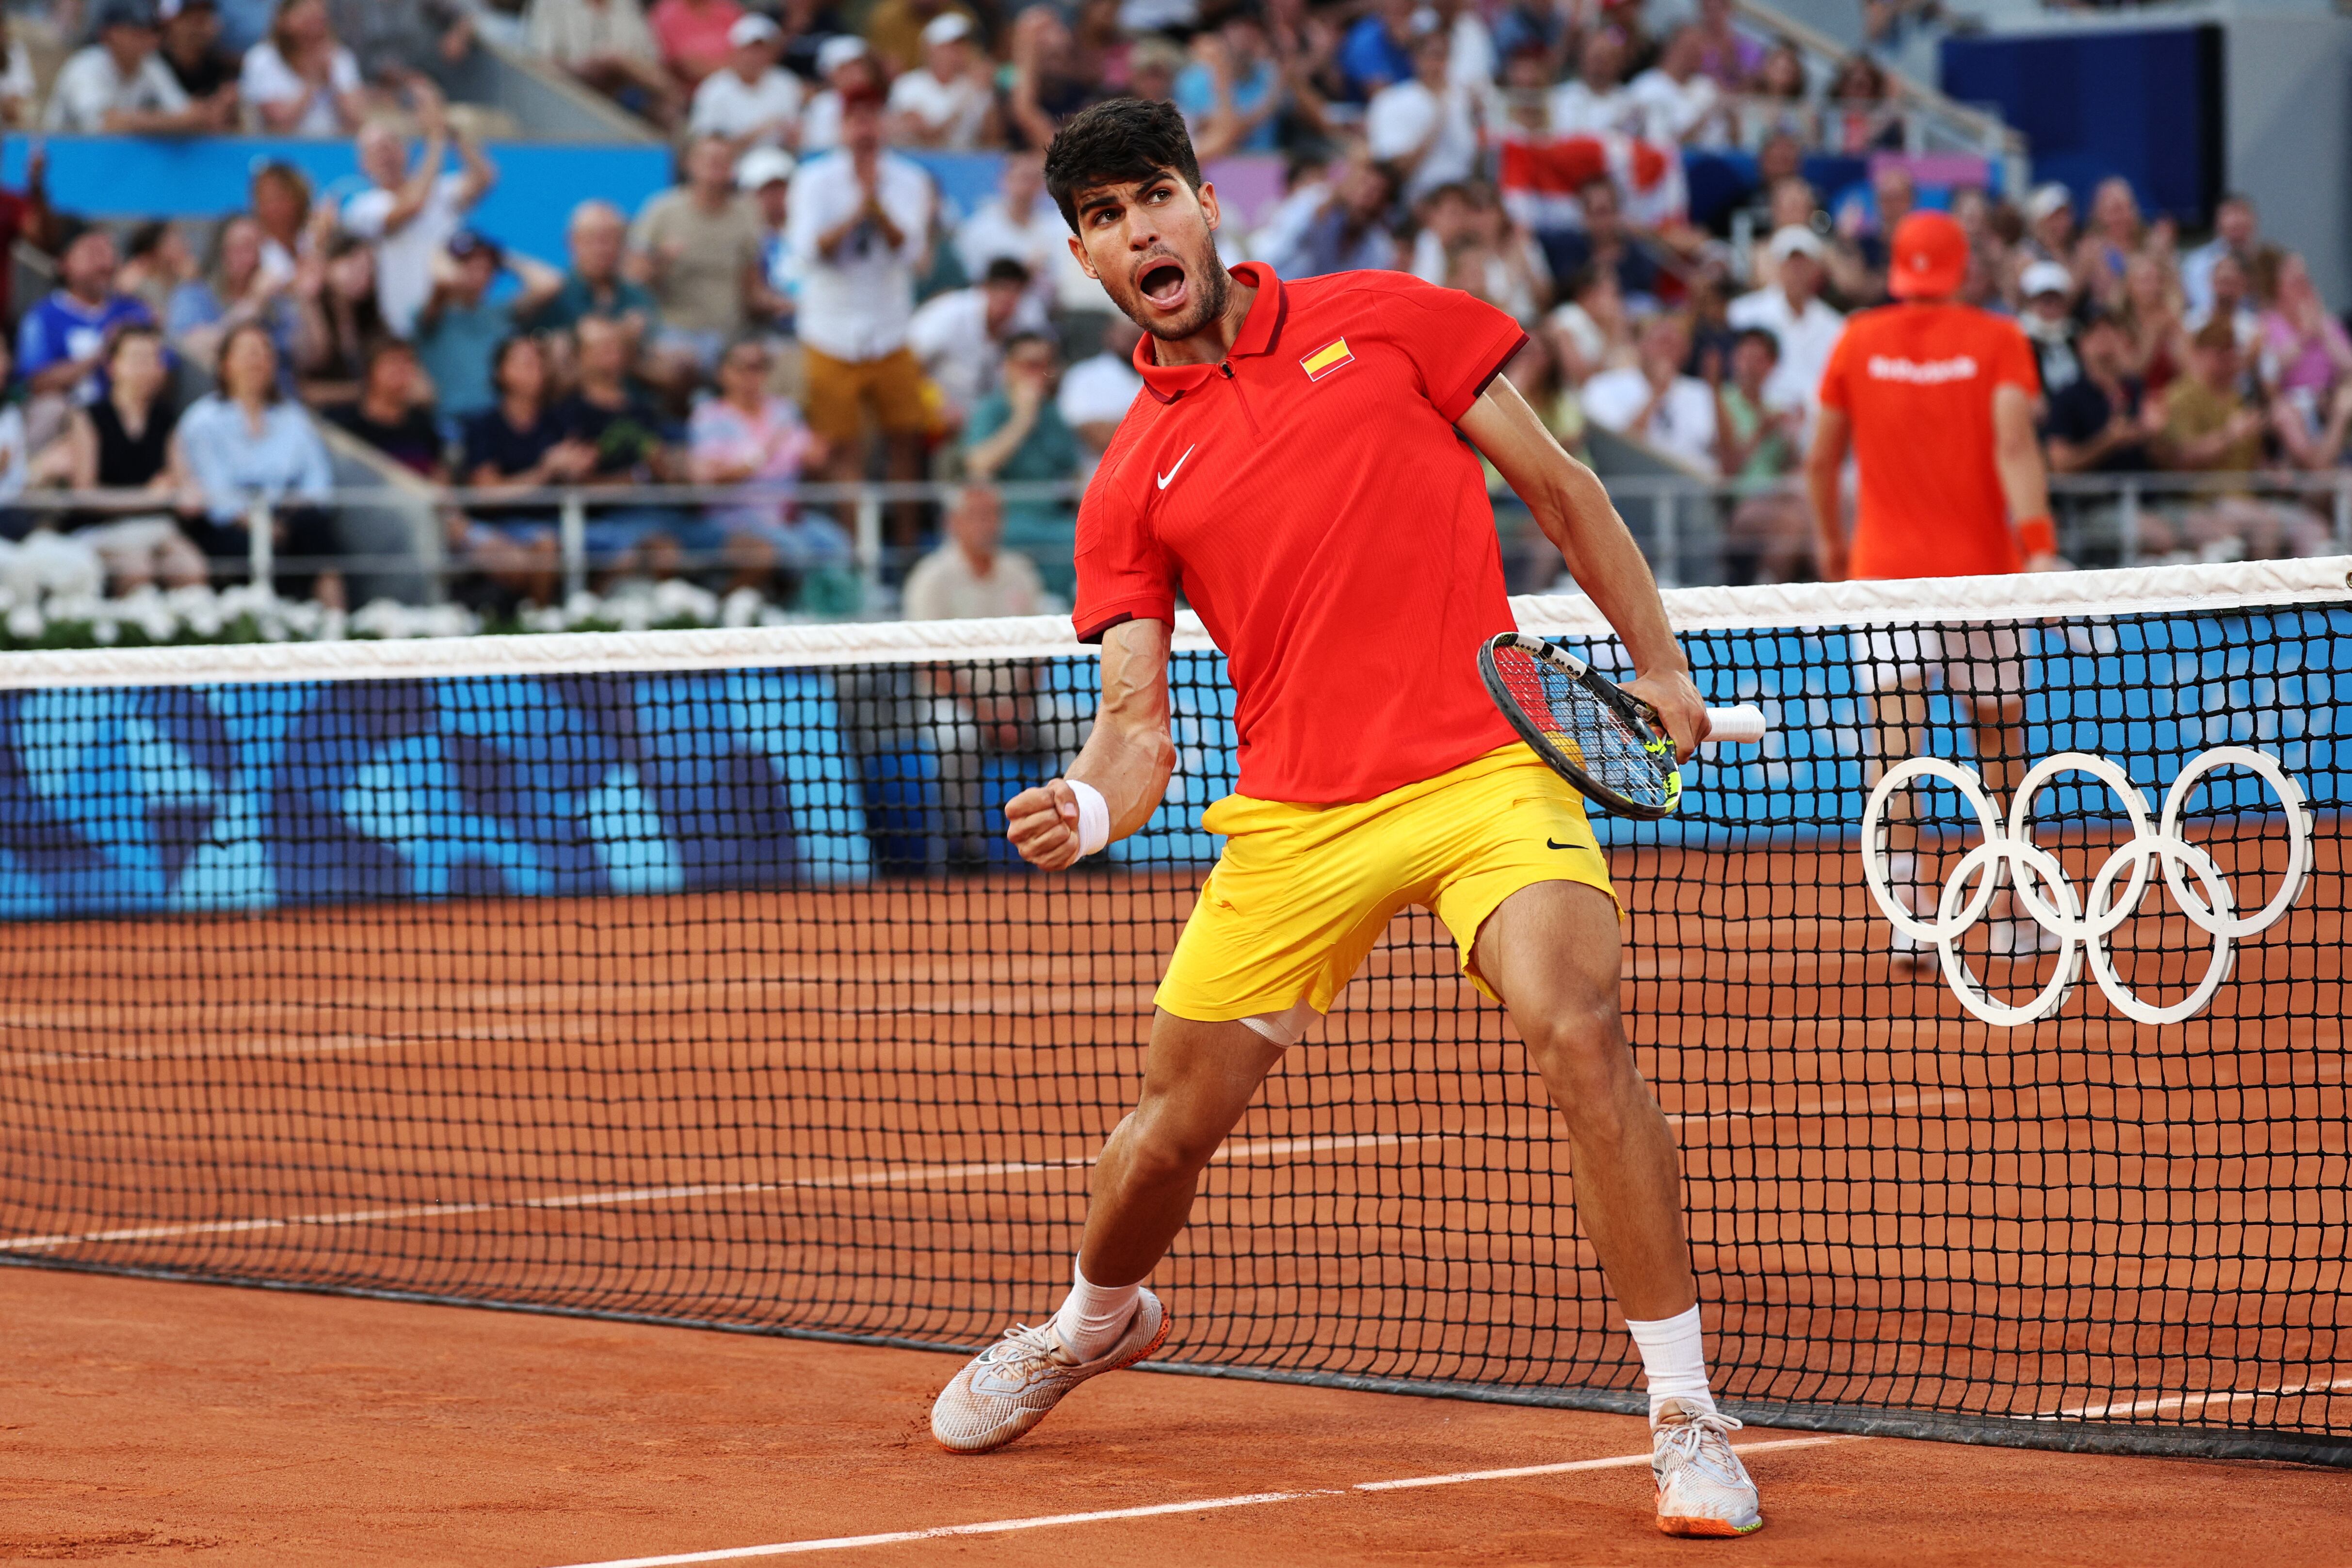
x,y
1123,141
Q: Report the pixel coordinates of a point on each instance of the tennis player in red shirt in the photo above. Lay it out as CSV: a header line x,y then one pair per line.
x,y
1303,464
1935,399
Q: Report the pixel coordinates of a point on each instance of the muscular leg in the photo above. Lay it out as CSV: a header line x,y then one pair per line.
x,y
1197,1078
1996,723
1550,952
1897,723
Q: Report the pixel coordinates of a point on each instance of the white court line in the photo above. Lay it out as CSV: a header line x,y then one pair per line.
x,y
1232,1154
1203,1505
2197,1400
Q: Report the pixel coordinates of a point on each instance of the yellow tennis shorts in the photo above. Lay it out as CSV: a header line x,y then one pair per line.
x,y
1302,893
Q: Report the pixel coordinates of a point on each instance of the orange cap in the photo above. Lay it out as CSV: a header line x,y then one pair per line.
x,y
1930,257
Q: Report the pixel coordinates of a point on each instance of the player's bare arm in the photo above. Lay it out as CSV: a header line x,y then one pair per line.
x,y
1128,757
1824,465
1575,513
2025,483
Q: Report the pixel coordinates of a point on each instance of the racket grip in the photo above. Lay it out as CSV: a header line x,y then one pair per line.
x,y
1741,726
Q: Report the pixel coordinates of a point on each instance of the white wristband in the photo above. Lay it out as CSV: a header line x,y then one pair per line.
x,y
1094,816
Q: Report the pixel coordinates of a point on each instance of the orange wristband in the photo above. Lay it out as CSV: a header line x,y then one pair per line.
x,y
2037,536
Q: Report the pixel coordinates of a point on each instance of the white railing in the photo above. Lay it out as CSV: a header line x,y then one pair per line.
x,y
567,509
1679,521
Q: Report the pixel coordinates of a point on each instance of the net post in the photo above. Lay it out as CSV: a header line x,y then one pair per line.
x,y
259,546
571,541
2129,520
868,543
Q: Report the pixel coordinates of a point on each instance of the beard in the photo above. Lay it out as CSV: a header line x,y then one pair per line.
x,y
1211,291
1207,308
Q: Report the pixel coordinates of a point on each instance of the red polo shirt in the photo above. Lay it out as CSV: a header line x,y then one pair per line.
x,y
1313,501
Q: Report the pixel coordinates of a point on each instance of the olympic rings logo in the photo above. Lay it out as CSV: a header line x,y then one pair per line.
x,y
2045,893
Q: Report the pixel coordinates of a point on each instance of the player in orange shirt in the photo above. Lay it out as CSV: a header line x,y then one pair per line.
x,y
1935,399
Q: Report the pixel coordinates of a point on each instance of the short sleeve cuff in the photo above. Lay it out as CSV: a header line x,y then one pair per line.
x,y
1091,622
1500,353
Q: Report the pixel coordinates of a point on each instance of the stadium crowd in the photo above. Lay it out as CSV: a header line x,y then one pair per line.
x,y
803,303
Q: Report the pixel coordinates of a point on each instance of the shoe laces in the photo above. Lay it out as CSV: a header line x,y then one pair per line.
x,y
1704,1437
1026,1339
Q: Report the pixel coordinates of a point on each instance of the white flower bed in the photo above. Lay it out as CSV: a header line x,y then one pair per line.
x,y
251,614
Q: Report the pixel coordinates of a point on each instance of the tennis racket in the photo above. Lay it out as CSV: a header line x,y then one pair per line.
x,y
1599,737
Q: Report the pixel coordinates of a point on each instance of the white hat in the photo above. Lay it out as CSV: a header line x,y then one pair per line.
x,y
946,28
838,51
752,28
763,166
2047,199
2045,278
1793,239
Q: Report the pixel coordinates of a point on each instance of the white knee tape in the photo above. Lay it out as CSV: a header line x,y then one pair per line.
x,y
1287,1027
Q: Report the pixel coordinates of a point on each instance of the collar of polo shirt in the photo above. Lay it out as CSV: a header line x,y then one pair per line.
x,y
1259,329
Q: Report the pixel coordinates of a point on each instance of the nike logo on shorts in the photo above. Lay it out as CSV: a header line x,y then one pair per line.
x,y
1550,845
1180,463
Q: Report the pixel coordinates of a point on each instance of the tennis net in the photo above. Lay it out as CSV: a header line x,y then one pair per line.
x,y
685,977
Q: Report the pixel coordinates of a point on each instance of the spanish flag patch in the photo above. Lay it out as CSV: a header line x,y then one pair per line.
x,y
1327,359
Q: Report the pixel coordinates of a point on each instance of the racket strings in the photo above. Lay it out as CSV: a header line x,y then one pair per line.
x,y
1594,735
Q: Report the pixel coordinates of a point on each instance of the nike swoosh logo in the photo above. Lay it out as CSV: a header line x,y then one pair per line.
x,y
1180,464
1550,845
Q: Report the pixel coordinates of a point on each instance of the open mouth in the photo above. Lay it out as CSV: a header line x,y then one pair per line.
x,y
1162,284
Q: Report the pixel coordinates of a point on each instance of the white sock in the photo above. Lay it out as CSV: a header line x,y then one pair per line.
x,y
1903,877
1674,1357
1092,1317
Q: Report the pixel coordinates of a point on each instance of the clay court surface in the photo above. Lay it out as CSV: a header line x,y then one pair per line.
x,y
147,1422
874,1110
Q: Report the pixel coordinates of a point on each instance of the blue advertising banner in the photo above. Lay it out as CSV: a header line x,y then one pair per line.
x,y
244,796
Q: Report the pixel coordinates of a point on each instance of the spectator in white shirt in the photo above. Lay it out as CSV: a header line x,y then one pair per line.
x,y
749,100
1095,392
1020,223
1474,62
1427,127
971,575
1654,402
2237,234
2229,298
1596,102
847,66
410,212
859,227
961,335
1682,101
765,175
299,80
1790,309
120,85
17,86
945,101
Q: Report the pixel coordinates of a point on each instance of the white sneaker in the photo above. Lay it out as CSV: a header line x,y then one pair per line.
x,y
1907,952
1703,1488
1007,1388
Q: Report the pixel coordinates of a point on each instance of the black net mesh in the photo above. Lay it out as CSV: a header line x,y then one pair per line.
x,y
715,996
